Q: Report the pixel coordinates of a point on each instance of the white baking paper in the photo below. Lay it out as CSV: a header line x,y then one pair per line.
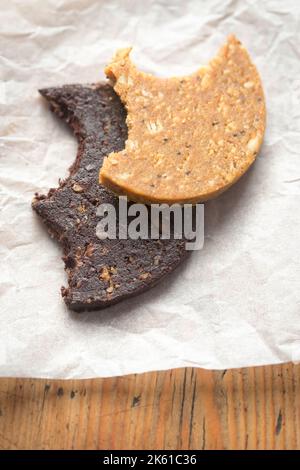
x,y
233,304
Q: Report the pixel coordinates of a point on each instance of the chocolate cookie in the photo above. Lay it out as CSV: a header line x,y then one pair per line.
x,y
100,272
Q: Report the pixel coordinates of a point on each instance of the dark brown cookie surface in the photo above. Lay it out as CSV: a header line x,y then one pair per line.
x,y
100,272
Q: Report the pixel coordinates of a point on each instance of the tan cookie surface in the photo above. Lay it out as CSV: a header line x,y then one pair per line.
x,y
189,138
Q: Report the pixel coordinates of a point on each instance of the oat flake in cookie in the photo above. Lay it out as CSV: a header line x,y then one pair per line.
x,y
189,138
100,272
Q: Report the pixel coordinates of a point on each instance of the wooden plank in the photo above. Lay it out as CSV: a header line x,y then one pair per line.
x,y
254,408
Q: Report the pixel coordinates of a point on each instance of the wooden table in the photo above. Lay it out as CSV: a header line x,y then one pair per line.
x,y
255,408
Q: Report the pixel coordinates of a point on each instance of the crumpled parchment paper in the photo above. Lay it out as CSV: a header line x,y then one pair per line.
x,y
233,304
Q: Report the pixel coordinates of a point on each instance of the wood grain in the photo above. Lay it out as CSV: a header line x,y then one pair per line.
x,y
255,408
